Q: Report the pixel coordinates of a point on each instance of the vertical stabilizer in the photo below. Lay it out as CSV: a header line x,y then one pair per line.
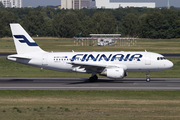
x,y
23,42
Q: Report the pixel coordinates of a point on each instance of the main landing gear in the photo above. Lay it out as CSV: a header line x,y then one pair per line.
x,y
93,78
147,77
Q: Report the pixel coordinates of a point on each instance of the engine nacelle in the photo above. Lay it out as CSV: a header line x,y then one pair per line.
x,y
115,73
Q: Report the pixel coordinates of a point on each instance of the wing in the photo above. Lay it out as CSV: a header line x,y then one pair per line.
x,y
96,67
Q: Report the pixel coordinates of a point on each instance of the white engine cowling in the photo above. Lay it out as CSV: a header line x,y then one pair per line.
x,y
115,73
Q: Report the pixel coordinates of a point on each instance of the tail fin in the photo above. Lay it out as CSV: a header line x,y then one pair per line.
x,y
23,42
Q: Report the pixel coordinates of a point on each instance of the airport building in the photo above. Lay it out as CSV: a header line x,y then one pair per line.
x,y
77,4
66,4
88,4
12,3
112,4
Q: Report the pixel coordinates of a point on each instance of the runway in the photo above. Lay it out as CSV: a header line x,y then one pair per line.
x,y
84,84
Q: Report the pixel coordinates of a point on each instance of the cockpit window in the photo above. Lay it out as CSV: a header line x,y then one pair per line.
x,y
161,58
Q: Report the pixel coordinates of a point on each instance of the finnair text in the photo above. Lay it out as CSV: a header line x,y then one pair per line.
x,y
111,57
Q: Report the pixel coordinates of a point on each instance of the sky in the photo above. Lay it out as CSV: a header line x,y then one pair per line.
x,y
35,3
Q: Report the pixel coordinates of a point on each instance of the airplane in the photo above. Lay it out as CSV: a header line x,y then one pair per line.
x,y
113,65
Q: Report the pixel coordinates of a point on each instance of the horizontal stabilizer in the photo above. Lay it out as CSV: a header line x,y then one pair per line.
x,y
19,57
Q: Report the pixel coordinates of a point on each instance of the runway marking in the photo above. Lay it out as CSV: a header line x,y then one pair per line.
x,y
128,88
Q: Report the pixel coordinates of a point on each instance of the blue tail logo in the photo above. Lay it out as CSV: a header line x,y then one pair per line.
x,y
25,40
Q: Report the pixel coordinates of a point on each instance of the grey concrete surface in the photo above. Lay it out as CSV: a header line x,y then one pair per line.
x,y
84,84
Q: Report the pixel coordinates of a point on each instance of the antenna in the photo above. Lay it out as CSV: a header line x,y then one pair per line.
x,y
168,5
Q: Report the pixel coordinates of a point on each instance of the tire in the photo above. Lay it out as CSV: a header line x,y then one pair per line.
x,y
148,79
93,79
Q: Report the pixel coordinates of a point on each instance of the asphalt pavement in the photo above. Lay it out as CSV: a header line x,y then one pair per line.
x,y
84,84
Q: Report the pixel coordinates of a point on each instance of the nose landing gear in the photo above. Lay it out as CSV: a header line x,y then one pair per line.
x,y
147,77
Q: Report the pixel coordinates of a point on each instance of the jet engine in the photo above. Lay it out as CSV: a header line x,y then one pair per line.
x,y
114,73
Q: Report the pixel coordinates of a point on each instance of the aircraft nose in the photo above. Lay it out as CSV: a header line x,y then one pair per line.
x,y
169,64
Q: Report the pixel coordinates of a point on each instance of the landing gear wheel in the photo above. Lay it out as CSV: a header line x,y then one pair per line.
x,y
93,78
148,79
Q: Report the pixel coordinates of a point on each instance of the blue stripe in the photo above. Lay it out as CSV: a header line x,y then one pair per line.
x,y
25,40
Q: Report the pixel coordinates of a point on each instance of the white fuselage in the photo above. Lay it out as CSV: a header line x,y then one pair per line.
x,y
74,61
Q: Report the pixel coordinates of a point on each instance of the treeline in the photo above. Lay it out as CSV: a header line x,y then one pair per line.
x,y
131,22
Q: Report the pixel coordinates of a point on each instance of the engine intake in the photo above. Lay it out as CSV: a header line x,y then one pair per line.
x,y
115,73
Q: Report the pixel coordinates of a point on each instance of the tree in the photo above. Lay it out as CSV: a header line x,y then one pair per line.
x,y
5,19
155,25
66,25
79,15
34,23
49,12
48,28
172,19
142,26
87,26
130,25
1,5
104,22
176,30
1,31
135,22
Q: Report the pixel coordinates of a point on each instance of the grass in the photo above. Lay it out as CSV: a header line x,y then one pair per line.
x,y
67,45
13,69
112,105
